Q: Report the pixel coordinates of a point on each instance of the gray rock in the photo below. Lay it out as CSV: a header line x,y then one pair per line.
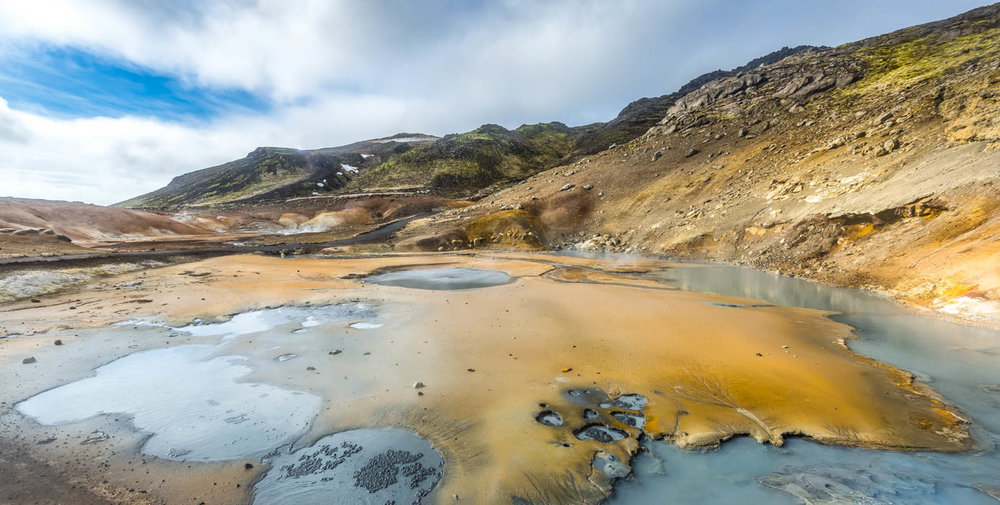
x,y
418,385
881,119
567,187
691,153
28,361
588,187
656,155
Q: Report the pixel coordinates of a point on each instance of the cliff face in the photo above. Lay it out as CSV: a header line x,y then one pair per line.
x,y
871,164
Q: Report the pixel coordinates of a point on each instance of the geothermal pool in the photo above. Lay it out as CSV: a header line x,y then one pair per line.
x,y
959,361
513,378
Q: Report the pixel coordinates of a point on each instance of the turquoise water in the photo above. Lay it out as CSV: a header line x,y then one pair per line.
x,y
961,362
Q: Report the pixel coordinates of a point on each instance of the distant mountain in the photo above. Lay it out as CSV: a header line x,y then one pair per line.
x,y
275,173
458,164
466,162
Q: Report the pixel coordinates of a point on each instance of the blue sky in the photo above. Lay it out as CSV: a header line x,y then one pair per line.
x,y
101,100
64,81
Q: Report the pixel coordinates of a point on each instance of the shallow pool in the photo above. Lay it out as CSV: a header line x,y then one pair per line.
x,y
442,278
961,362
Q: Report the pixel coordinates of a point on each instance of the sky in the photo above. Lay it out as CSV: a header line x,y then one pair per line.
x,y
103,100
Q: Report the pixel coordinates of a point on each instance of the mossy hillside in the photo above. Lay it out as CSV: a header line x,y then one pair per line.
x,y
265,173
472,160
896,66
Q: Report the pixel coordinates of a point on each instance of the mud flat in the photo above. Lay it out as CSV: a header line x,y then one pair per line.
x,y
535,386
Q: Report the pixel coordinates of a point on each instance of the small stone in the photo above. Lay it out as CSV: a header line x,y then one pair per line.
x,y
656,155
335,352
784,347
310,368
470,369
567,187
742,133
881,119
248,466
28,361
759,355
418,385
57,342
567,369
691,153
35,300
588,187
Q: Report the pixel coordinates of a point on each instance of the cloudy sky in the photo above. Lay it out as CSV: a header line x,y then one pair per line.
x,y
101,100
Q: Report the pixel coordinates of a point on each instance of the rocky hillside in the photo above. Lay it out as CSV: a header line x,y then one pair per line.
x,y
870,164
463,165
275,173
641,115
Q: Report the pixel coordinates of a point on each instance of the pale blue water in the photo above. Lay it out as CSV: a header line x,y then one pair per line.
x,y
961,362
442,278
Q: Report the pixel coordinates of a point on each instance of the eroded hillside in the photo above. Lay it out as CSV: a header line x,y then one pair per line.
x,y
870,164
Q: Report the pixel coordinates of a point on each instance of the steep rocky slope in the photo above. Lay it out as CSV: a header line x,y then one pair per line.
x,y
641,115
870,164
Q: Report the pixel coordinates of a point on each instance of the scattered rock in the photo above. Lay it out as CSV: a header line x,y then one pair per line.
x,y
418,385
656,155
248,466
28,361
588,187
691,153
567,187
335,352
58,342
742,133
549,418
